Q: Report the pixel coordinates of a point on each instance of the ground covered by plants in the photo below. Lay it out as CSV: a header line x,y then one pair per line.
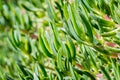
x,y
59,39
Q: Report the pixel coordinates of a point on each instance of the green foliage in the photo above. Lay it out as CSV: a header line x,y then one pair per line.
x,y
59,39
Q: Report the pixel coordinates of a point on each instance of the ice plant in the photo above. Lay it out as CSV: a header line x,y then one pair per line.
x,y
60,39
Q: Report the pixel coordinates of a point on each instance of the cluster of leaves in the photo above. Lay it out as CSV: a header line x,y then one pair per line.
x,y
61,39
